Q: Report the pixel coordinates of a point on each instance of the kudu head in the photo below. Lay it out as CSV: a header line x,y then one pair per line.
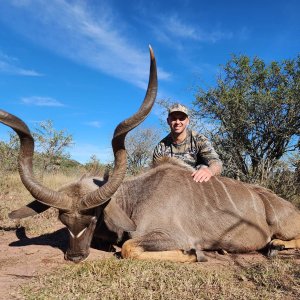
x,y
78,203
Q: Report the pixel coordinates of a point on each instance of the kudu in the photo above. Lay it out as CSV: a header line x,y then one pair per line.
x,y
166,214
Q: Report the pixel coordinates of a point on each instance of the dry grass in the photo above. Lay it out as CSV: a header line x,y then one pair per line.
x,y
13,195
129,279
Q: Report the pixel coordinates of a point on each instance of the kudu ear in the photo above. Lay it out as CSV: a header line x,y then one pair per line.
x,y
115,215
33,208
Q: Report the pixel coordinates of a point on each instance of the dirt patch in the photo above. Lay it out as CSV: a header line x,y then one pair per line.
x,y
23,257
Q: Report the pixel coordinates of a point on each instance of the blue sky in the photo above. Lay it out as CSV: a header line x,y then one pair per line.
x,y
85,64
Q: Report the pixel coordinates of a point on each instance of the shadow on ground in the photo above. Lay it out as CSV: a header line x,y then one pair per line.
x,y
57,239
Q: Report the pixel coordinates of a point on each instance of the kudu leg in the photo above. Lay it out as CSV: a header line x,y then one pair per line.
x,y
278,244
150,247
131,249
292,244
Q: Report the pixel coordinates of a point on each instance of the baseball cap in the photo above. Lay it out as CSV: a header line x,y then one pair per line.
x,y
178,107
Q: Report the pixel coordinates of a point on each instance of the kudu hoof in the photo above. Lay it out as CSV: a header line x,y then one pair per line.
x,y
118,255
200,256
222,252
273,250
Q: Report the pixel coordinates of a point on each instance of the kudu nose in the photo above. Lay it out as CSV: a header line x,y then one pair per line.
x,y
76,257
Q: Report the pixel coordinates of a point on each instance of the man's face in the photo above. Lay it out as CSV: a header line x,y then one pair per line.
x,y
178,121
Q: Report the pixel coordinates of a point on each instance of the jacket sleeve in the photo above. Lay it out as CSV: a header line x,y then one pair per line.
x,y
208,155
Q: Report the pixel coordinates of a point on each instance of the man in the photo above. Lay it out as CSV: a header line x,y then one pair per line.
x,y
194,149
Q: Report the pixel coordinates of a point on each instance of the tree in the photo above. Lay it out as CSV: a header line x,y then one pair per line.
x,y
94,166
51,144
50,150
257,110
139,145
9,152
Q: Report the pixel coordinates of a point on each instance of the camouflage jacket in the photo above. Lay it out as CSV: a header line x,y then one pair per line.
x,y
195,150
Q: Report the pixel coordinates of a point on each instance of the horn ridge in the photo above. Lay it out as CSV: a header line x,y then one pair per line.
x,y
105,192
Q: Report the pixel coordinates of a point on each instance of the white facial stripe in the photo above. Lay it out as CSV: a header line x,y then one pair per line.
x,y
81,232
72,235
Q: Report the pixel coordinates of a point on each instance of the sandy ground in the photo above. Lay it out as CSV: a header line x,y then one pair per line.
x,y
23,257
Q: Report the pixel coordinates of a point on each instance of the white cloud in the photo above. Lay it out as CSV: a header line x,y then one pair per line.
x,y
9,65
172,26
91,35
41,101
176,27
95,124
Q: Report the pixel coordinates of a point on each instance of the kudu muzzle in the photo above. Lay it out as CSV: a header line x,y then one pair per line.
x,y
79,245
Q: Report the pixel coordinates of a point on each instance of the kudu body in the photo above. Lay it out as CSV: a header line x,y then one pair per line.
x,y
174,215
169,216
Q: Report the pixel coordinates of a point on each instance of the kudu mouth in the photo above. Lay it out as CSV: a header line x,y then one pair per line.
x,y
76,257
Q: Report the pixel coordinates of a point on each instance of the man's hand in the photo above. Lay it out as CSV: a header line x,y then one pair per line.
x,y
203,174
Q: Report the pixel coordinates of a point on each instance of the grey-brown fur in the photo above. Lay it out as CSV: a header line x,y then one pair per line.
x,y
219,214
